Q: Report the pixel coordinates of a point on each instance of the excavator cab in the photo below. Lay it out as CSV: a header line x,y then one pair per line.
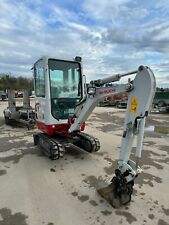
x,y
58,89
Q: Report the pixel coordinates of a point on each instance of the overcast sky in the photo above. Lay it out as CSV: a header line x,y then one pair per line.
x,y
111,35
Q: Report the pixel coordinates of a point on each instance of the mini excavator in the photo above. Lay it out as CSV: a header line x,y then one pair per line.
x,y
64,102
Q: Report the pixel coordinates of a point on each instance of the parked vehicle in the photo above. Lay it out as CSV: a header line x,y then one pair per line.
x,y
161,98
23,114
3,95
161,101
119,100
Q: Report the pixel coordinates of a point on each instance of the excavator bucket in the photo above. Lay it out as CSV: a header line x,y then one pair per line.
x,y
118,192
108,193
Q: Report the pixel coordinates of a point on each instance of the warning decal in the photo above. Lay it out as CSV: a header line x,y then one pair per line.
x,y
133,106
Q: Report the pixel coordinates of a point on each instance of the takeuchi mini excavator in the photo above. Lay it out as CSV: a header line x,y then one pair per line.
x,y
64,102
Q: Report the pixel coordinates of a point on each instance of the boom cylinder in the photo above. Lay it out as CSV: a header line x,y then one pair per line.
x,y
112,78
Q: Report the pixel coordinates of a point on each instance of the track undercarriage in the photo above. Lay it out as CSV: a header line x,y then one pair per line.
x,y
55,147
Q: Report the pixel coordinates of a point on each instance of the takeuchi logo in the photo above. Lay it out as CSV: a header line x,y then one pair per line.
x,y
107,91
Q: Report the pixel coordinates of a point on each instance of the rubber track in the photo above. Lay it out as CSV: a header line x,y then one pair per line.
x,y
94,141
56,149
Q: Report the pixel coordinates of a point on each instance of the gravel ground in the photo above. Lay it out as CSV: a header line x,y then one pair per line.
x,y
35,190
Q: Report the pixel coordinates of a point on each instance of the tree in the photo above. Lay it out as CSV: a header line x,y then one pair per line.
x,y
16,83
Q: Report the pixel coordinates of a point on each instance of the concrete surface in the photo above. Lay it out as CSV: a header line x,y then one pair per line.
x,y
35,190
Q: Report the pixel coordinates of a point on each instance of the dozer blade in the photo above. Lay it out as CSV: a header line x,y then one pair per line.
x,y
109,194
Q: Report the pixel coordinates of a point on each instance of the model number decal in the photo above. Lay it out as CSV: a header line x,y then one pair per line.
x,y
107,91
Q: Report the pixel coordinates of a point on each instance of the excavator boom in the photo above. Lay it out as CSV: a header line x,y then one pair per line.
x,y
140,96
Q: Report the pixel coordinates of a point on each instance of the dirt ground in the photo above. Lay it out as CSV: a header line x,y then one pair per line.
x,y
37,191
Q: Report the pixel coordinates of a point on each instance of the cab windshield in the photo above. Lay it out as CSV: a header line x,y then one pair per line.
x,y
65,87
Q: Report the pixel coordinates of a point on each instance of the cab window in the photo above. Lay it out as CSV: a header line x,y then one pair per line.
x,y
39,82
